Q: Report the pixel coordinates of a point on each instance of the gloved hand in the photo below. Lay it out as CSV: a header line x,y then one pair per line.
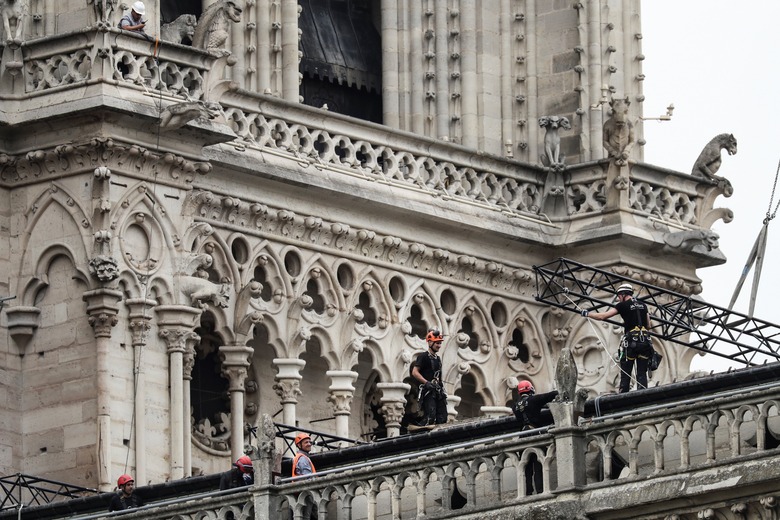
x,y
430,387
584,312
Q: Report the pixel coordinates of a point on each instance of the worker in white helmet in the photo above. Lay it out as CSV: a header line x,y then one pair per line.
x,y
636,346
133,21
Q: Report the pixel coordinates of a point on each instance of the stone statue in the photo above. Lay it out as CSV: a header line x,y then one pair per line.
x,y
566,375
180,30
618,132
13,21
178,115
552,156
103,9
213,27
708,163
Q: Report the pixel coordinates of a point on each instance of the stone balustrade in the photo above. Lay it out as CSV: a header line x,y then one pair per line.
x,y
687,450
351,147
90,56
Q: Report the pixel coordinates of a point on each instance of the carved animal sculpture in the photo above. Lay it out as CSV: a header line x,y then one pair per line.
x,y
709,161
181,30
213,27
200,291
178,115
618,132
13,20
701,240
103,9
566,375
552,141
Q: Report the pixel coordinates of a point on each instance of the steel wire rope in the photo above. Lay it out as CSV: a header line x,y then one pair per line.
x,y
595,332
145,280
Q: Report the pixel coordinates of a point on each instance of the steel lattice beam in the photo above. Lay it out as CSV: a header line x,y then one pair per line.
x,y
677,318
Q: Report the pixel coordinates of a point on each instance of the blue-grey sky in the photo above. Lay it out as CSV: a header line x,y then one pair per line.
x,y
717,60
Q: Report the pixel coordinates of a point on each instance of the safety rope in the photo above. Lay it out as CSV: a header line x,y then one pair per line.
x,y
145,280
596,334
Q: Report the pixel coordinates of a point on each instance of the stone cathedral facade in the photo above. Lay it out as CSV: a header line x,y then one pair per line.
x,y
264,212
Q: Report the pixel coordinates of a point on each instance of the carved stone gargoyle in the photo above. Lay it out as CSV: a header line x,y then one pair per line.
x,y
213,26
618,132
178,115
552,156
709,161
702,241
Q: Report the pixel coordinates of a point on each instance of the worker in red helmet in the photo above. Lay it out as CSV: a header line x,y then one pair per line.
x,y
528,405
241,474
302,464
427,371
125,498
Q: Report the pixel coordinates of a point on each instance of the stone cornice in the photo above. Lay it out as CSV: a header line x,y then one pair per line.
x,y
127,159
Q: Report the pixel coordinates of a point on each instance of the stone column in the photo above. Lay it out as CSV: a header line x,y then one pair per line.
x,y
341,393
393,405
140,323
235,361
290,75
176,324
288,386
188,360
102,309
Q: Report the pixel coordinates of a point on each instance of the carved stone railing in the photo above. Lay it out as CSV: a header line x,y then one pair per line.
x,y
90,56
452,172
689,441
670,461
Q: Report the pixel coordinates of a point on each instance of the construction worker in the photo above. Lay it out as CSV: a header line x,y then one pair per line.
x,y
241,474
528,408
125,498
636,345
528,405
427,372
133,21
302,464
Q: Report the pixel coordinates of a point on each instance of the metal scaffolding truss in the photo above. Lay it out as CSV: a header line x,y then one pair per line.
x,y
677,318
26,490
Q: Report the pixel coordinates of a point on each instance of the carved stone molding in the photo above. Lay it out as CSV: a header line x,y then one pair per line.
x,y
128,159
140,319
102,309
288,390
22,323
177,340
235,361
262,219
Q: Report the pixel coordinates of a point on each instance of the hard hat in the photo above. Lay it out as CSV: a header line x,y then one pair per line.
x,y
139,8
625,288
299,438
434,335
525,387
244,464
124,479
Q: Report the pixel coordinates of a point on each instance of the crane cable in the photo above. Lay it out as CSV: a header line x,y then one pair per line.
x,y
756,255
